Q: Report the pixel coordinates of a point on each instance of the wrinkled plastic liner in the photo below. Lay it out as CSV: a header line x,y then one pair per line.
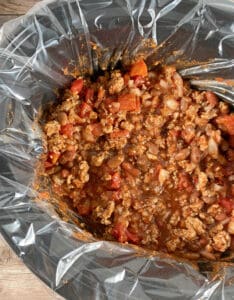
x,y
34,52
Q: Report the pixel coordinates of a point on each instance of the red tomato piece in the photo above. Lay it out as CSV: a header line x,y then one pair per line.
x,y
67,130
139,68
77,86
227,123
132,237
138,80
127,102
115,181
119,134
85,109
122,234
119,232
227,204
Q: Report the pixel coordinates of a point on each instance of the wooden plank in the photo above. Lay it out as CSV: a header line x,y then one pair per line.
x,y
9,7
17,282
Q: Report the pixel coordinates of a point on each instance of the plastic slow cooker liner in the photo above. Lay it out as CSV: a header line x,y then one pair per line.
x,y
34,52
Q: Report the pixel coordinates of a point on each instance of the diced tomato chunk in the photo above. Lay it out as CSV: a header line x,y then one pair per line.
x,y
227,204
89,94
132,237
67,130
115,181
138,80
77,86
119,134
139,69
53,156
227,123
96,129
127,102
122,234
119,232
85,109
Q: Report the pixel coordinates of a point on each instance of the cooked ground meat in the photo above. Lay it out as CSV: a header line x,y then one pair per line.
x,y
147,158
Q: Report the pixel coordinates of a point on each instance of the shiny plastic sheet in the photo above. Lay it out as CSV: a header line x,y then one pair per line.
x,y
34,50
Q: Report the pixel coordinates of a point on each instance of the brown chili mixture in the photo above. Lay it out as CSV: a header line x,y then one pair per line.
x,y
148,158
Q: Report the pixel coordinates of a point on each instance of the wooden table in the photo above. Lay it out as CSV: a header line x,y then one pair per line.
x,y
10,9
16,281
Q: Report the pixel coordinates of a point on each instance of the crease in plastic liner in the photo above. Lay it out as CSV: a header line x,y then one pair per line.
x,y
197,36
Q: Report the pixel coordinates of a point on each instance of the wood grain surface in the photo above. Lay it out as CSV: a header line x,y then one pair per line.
x,y
19,7
17,282
10,9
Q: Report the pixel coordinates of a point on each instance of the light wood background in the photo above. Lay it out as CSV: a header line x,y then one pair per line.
x,y
10,9
16,281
